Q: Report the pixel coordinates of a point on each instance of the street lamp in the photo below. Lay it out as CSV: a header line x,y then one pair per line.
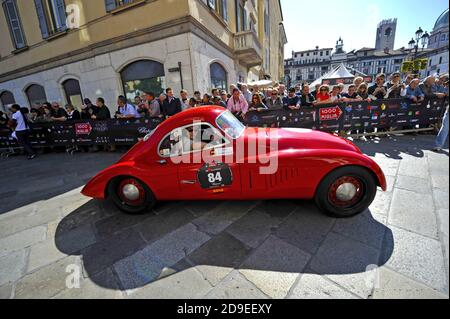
x,y
421,38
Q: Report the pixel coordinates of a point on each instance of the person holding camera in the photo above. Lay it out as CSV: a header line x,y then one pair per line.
x,y
126,110
378,91
395,88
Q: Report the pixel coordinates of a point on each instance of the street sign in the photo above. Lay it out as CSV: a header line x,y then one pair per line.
x,y
83,128
331,113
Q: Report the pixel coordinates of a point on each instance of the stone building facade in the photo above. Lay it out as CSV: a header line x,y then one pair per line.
x,y
66,50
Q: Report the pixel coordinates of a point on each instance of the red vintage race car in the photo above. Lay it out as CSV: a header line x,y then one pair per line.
x,y
208,154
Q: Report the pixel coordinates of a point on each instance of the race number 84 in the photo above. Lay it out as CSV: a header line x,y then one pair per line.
x,y
218,175
214,178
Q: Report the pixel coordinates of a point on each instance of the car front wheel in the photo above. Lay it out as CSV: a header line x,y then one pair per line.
x,y
131,195
346,192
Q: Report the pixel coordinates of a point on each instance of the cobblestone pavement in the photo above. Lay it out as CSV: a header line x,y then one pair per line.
x,y
274,249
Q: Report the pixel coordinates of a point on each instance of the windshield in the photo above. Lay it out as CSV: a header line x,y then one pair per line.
x,y
228,123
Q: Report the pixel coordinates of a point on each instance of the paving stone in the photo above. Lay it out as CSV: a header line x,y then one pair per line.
x,y
413,166
390,182
443,218
417,257
105,254
346,262
12,266
114,224
175,246
48,281
22,239
381,204
441,199
254,227
392,285
94,288
440,181
157,226
313,286
235,286
43,254
139,269
389,166
414,184
200,208
89,213
189,284
414,212
29,219
365,228
274,267
279,209
223,216
223,251
6,291
306,228
214,274
147,265
74,240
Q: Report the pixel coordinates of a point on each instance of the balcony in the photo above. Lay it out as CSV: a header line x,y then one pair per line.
x,y
248,49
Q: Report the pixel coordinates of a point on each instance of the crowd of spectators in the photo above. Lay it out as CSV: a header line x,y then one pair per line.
x,y
241,99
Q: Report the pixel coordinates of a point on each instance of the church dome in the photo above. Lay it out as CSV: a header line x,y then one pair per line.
x,y
442,21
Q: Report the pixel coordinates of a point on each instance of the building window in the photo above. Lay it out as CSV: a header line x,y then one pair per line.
x,y
241,16
114,4
36,95
72,91
218,76
266,18
52,16
14,24
142,76
220,7
440,61
6,100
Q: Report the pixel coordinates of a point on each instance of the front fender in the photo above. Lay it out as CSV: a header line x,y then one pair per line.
x,y
344,158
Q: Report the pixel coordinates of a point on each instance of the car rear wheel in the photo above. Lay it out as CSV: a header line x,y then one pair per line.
x,y
131,195
346,192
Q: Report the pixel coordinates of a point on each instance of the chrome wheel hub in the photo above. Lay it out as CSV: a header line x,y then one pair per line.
x,y
346,192
130,192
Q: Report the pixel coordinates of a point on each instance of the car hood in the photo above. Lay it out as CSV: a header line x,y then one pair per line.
x,y
293,138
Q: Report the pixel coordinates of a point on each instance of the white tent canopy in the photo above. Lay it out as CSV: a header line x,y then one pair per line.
x,y
260,84
339,72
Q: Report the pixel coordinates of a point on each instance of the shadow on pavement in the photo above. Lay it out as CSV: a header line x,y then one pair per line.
x,y
126,252
25,182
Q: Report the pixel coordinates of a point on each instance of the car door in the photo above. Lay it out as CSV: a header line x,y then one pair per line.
x,y
199,152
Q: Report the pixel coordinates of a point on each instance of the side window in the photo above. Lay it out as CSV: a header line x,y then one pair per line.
x,y
192,138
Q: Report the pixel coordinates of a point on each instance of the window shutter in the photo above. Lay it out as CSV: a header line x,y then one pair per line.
x,y
225,10
14,23
42,18
110,5
61,13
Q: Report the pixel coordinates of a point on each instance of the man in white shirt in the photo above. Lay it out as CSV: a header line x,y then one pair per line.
x,y
126,110
247,94
184,99
22,130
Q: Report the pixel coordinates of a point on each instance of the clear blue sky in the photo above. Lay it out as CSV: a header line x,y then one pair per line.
x,y
311,23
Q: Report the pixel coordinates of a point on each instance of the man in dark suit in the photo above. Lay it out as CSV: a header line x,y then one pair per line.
x,y
171,104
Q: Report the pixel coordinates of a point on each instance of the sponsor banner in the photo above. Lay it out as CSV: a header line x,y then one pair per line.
x,y
346,81
382,114
84,133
